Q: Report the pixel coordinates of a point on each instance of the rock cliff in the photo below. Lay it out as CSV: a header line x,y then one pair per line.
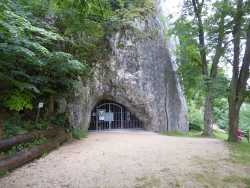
x,y
140,75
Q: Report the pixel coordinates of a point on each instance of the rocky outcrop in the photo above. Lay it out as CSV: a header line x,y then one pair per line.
x,y
140,75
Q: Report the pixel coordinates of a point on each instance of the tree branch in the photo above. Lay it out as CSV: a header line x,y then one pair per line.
x,y
244,72
202,47
219,47
236,38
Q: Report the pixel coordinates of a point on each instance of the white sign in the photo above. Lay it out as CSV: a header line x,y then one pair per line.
x,y
109,116
101,115
40,105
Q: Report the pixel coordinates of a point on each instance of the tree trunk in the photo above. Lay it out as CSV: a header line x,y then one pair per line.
x,y
208,116
234,112
28,155
24,138
51,105
240,74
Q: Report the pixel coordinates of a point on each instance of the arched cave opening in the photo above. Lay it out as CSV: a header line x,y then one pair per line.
x,y
108,115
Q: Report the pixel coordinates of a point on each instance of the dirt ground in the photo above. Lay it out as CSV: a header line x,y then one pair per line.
x,y
132,160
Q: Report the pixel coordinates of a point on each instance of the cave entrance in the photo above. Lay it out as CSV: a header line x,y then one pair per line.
x,y
108,115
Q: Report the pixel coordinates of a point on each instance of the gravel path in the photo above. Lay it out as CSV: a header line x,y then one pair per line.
x,y
131,159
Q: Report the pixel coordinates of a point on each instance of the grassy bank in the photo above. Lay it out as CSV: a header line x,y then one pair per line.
x,y
240,152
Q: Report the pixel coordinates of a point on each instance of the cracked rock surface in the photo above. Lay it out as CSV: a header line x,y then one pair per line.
x,y
138,74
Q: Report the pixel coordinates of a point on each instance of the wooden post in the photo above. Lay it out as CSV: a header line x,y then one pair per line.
x,y
40,105
37,115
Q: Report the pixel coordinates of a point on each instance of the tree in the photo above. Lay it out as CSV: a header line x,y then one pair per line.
x,y
31,63
240,71
208,40
208,108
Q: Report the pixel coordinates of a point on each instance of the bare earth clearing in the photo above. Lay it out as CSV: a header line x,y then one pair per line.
x,y
132,159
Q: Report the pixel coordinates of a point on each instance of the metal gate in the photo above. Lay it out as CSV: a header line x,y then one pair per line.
x,y
110,115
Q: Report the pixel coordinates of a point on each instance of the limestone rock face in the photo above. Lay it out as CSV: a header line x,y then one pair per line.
x,y
139,75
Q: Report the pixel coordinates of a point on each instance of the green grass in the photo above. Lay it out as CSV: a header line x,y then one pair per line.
x,y
232,179
217,134
148,182
183,134
220,135
3,173
240,152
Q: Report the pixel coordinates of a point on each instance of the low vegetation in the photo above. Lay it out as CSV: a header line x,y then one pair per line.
x,y
239,152
218,134
20,147
238,179
79,134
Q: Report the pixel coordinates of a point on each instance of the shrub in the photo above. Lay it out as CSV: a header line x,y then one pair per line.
x,y
245,117
59,120
195,127
220,112
79,134
13,126
18,101
41,125
195,118
29,125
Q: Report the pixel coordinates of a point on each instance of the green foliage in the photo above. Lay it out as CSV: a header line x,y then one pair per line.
x,y
29,125
82,24
41,125
192,133
221,114
195,117
220,135
20,147
127,11
79,134
245,117
3,173
188,59
196,127
13,126
33,62
190,69
19,101
60,120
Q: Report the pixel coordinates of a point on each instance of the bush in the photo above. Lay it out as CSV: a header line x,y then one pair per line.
x,y
41,125
79,134
13,126
59,120
195,127
221,116
29,125
195,118
245,117
220,112
18,101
